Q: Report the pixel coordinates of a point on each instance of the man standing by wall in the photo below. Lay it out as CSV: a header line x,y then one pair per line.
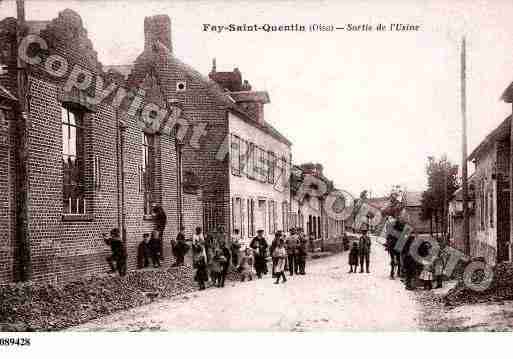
x,y
291,244
259,245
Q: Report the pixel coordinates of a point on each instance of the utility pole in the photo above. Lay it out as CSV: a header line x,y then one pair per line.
x,y
466,224
24,265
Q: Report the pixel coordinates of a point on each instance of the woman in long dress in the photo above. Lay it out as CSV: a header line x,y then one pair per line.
x,y
280,258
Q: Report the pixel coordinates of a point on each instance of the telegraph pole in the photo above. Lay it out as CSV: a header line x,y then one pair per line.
x,y
464,174
24,272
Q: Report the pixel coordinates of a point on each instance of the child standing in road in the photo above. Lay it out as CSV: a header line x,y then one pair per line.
x,y
280,256
246,265
427,275
216,268
353,258
200,263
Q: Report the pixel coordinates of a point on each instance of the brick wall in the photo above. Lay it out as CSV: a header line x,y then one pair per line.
x,y
192,213
200,103
7,153
64,249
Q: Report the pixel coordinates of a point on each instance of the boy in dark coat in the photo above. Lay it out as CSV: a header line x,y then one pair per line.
x,y
226,264
259,245
301,256
410,265
200,263
353,258
118,251
180,247
364,245
216,267
160,217
155,245
144,252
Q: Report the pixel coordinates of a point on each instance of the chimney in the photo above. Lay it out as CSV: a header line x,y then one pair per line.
x,y
157,28
214,69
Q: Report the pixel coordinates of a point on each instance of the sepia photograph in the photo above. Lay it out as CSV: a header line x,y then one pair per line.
x,y
236,167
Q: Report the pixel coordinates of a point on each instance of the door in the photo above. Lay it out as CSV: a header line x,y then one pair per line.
x,y
503,220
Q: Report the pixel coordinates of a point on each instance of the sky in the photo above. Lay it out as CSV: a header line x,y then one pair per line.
x,y
370,106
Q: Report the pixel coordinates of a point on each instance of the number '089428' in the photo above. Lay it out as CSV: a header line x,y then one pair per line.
x,y
15,342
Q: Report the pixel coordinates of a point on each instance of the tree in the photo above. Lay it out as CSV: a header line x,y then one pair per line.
x,y
443,181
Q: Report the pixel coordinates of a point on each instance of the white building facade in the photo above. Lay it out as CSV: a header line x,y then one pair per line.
x,y
259,179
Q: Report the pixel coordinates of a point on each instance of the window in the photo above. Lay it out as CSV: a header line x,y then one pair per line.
x,y
285,215
72,162
250,164
236,215
319,228
147,170
262,214
485,205
270,167
481,205
272,217
491,208
209,216
235,155
261,165
243,156
251,217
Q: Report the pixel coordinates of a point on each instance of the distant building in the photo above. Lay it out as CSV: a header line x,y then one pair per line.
x,y
309,212
413,212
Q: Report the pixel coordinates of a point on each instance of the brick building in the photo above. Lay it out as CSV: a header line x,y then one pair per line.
x,y
160,133
76,167
231,157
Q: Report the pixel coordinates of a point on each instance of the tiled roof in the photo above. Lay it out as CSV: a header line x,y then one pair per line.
x,y
216,91
502,131
507,95
250,96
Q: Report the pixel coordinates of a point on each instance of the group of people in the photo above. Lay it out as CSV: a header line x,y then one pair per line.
x,y
215,253
423,265
288,253
213,256
360,253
